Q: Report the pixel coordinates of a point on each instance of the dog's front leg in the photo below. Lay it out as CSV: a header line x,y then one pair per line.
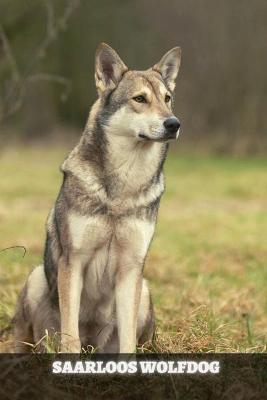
x,y
128,291
69,289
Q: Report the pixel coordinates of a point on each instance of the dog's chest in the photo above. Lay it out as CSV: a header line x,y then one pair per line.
x,y
90,239
101,244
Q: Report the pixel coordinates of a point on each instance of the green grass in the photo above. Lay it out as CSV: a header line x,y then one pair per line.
x,y
208,263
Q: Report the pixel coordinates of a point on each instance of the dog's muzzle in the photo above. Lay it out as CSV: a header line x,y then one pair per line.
x,y
171,131
172,126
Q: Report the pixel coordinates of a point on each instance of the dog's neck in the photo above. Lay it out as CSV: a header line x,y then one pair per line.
x,y
134,164
118,162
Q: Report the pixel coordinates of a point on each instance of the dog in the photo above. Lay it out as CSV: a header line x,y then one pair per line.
x,y
91,288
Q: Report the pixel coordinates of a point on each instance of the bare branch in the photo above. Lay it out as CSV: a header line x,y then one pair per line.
x,y
10,55
53,78
13,97
50,18
53,29
12,100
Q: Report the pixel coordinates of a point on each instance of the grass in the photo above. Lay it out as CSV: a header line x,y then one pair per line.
x,y
208,263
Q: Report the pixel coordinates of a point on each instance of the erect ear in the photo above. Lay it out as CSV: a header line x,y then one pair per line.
x,y
168,66
108,68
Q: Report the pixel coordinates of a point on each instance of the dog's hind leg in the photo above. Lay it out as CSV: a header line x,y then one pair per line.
x,y
23,333
35,321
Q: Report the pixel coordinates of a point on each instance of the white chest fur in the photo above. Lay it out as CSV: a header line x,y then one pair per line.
x,y
103,244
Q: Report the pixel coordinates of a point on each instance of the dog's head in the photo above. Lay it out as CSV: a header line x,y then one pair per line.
x,y
138,104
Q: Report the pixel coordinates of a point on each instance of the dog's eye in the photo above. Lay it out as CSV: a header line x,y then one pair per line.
x,y
167,98
140,99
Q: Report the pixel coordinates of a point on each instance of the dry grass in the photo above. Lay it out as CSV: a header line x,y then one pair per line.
x,y
207,266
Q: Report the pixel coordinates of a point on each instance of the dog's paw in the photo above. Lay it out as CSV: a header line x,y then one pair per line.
x,y
70,345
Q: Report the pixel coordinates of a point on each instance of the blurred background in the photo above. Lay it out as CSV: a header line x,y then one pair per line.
x,y
47,63
207,265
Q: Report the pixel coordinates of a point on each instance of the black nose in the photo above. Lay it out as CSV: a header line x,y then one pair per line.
x,y
171,125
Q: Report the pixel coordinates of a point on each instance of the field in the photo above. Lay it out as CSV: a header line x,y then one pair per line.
x,y
208,263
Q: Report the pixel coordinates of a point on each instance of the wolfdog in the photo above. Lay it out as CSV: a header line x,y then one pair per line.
x,y
90,288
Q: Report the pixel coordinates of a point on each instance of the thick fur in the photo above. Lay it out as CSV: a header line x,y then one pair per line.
x,y
91,287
